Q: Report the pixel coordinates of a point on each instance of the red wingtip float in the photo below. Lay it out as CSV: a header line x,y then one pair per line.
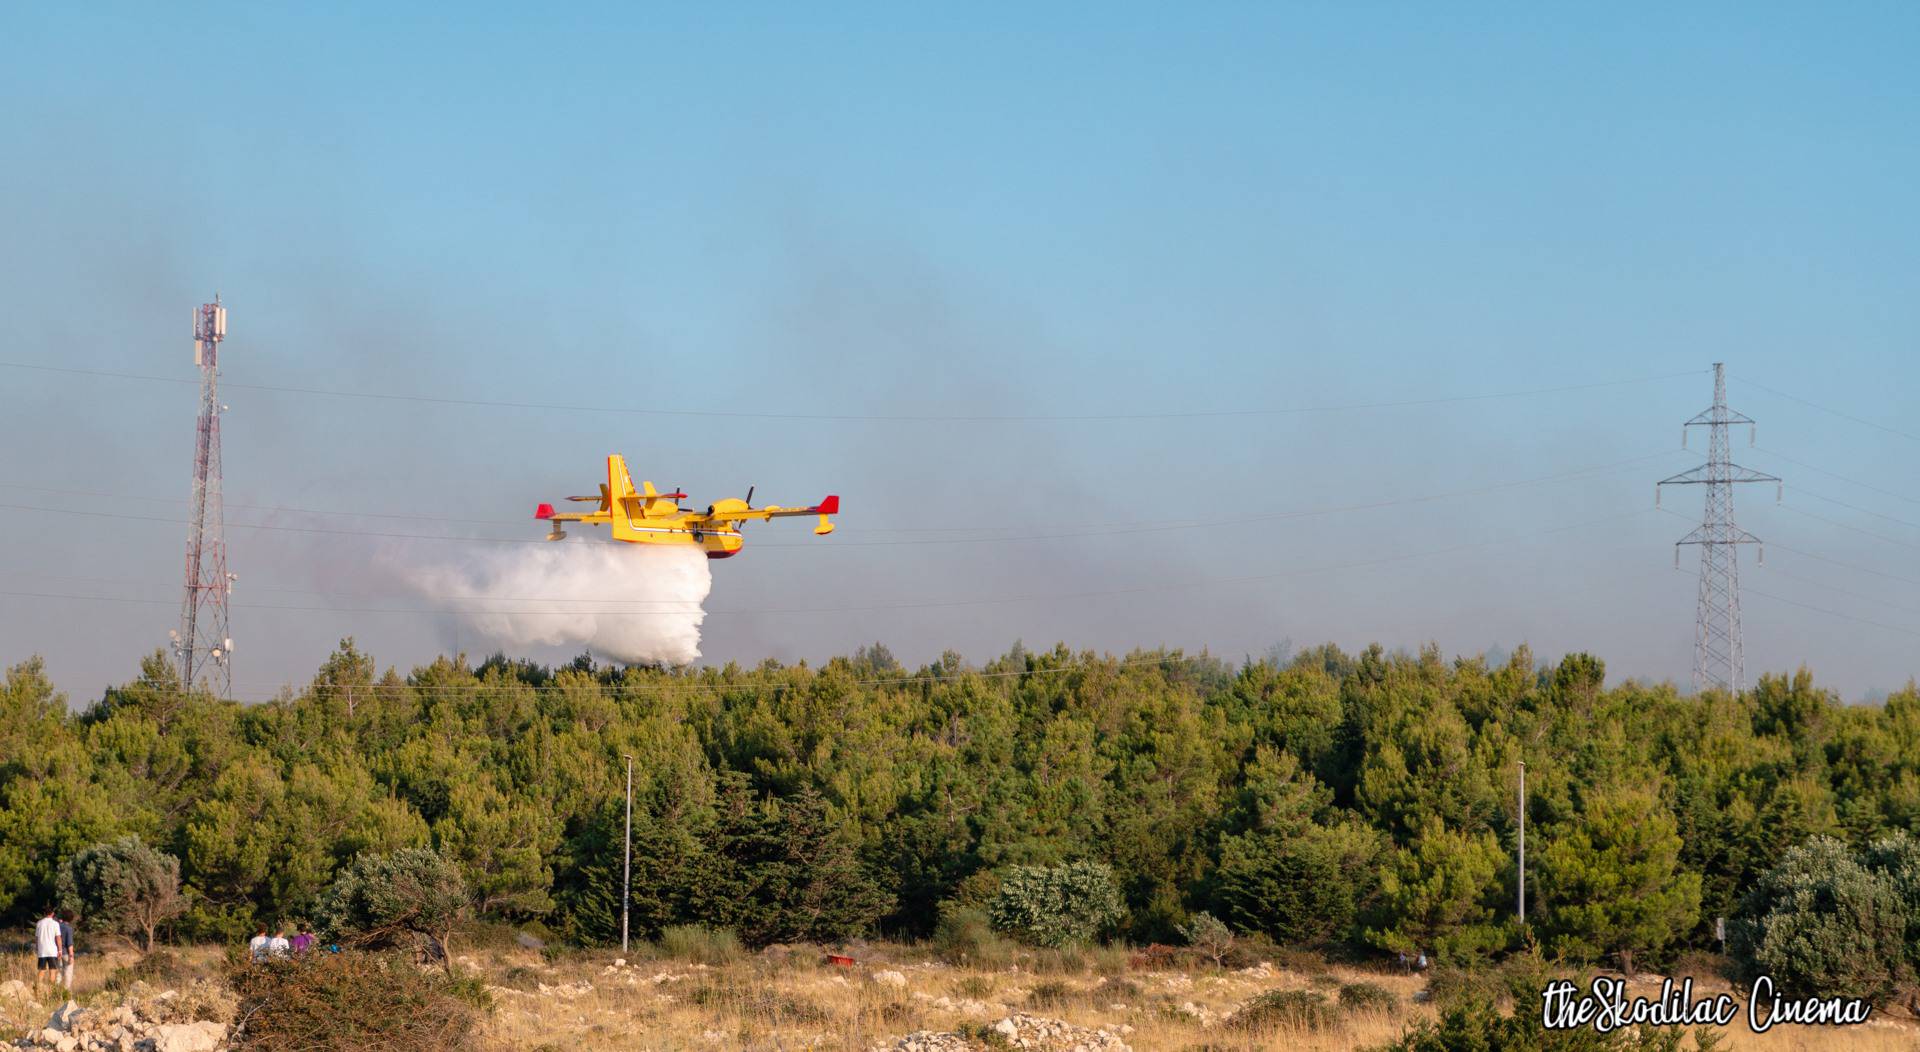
x,y
646,516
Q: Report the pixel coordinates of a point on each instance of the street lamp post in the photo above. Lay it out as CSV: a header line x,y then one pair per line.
x,y
626,869
1523,841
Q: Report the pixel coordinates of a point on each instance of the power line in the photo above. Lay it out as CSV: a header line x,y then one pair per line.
x,y
1874,571
906,604
1833,613
1774,571
1078,533
1842,414
858,417
1855,507
1117,526
1851,528
1842,478
1803,553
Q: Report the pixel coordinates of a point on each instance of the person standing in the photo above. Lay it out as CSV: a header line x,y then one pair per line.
x,y
303,941
278,946
66,950
257,946
46,948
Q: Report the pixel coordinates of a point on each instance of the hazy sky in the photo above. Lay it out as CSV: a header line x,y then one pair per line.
x,y
904,211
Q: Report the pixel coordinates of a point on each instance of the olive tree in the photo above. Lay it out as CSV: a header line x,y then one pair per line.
x,y
124,885
1056,905
379,897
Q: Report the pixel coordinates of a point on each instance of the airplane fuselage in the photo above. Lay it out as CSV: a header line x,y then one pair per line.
x,y
647,516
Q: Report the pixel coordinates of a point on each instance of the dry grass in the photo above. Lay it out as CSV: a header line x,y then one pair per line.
x,y
801,1003
584,1003
798,1002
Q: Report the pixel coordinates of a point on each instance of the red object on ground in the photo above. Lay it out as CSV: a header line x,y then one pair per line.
x,y
839,961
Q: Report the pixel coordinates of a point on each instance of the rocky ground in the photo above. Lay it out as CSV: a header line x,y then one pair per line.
x,y
142,1020
890,999
1021,1031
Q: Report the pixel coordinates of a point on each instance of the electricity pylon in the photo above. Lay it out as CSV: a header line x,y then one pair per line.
x,y
1717,657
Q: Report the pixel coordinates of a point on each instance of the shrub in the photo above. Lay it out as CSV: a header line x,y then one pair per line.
x,y
1897,858
965,936
1822,923
124,886
378,897
160,968
977,987
1056,905
1450,985
1053,993
1477,1025
699,944
1156,956
755,1002
336,1002
1363,997
1208,935
1299,1009
1305,962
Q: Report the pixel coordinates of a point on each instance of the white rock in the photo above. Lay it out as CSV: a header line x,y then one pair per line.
x,y
890,978
204,1036
65,1017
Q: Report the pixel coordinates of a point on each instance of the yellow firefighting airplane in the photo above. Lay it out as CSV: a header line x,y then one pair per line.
x,y
646,516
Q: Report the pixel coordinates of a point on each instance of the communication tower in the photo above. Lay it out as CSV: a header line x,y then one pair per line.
x,y
204,641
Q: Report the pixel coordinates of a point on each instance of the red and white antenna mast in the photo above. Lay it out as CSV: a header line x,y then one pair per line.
x,y
204,641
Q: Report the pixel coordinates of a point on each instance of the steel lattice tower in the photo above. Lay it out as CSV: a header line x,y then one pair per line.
x,y
1717,657
204,641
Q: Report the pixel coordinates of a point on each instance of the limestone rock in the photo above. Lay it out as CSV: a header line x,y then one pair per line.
x,y
203,1036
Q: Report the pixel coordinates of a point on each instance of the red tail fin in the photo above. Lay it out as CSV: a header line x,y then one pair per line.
x,y
829,506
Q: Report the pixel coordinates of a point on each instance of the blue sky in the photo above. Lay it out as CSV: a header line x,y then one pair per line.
x,y
985,211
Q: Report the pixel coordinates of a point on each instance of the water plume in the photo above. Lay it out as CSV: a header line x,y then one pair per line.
x,y
630,603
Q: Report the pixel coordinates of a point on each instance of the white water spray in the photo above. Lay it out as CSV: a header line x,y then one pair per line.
x,y
632,603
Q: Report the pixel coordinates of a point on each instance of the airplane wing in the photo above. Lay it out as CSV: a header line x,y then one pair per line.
x,y
830,505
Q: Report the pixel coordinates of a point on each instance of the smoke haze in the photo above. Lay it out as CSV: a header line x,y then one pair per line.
x,y
625,602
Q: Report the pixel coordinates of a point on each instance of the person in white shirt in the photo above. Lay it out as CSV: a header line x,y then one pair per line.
x,y
278,946
257,946
46,947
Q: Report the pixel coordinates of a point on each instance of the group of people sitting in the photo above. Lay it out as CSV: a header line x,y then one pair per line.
x,y
263,946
